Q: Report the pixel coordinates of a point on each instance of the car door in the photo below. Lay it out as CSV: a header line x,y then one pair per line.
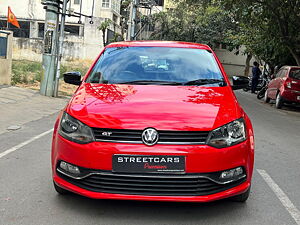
x,y
272,87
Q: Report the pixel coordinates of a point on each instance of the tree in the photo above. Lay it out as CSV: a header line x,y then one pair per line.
x,y
103,27
273,25
269,30
195,21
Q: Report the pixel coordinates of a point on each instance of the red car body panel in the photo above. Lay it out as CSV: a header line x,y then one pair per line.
x,y
179,108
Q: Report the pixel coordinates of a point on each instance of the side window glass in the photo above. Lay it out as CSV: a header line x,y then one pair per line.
x,y
283,74
278,73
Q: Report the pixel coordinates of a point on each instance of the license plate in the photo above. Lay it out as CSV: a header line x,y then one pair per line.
x,y
148,164
298,98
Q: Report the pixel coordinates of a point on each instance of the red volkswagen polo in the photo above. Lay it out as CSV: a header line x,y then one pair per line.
x,y
154,121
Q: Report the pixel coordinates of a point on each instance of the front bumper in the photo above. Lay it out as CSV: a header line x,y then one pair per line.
x,y
206,198
199,159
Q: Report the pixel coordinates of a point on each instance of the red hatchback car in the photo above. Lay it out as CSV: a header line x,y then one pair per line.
x,y
285,87
154,121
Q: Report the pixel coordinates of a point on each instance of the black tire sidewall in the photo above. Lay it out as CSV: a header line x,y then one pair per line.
x,y
278,101
266,98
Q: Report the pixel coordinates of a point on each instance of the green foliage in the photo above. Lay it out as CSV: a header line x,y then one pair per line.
x,y
74,67
204,22
270,30
29,72
26,71
103,27
117,37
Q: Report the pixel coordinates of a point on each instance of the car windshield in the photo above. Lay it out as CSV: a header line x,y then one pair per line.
x,y
157,65
295,73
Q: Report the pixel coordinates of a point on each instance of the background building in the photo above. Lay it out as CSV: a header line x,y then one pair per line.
x,y
82,40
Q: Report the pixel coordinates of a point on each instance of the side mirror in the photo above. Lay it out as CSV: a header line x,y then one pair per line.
x,y
239,82
72,78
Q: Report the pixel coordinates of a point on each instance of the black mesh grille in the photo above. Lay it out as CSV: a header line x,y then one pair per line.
x,y
166,185
165,137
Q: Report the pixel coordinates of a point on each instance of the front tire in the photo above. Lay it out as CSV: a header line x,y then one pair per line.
x,y
60,190
261,93
242,197
279,101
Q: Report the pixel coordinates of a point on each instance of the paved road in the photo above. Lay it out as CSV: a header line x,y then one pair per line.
x,y
27,195
19,106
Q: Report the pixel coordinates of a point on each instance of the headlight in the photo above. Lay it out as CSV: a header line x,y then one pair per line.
x,y
228,135
74,130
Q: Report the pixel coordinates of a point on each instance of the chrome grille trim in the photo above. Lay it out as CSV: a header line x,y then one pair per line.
x,y
165,137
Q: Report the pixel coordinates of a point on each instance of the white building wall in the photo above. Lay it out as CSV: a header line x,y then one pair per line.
x,y
87,45
33,9
234,64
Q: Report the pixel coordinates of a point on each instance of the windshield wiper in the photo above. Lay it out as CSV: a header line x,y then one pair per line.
x,y
159,82
205,81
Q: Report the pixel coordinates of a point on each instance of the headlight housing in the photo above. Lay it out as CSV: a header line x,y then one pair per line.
x,y
228,135
74,130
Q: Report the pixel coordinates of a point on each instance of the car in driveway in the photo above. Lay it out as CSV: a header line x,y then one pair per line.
x,y
285,87
172,134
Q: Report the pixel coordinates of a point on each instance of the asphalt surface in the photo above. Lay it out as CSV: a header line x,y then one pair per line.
x,y
27,195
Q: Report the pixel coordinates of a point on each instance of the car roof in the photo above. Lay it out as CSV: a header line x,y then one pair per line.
x,y
172,44
290,67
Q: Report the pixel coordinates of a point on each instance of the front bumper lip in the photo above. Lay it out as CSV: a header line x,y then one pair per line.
x,y
206,198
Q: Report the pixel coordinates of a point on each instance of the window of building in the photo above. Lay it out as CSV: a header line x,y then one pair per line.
x,y
76,2
115,5
72,30
3,46
115,18
23,31
41,30
105,3
159,2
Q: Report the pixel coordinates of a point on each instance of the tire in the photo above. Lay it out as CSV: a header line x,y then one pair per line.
x,y
266,98
60,190
279,101
242,197
261,93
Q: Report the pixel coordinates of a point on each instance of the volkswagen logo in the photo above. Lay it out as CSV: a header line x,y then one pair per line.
x,y
150,136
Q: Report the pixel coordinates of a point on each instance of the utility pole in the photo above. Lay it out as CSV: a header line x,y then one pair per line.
x,y
132,19
60,48
50,47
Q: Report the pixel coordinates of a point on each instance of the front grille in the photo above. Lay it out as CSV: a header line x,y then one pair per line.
x,y
165,137
152,185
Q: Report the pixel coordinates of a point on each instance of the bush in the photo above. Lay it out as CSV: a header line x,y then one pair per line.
x,y
26,71
29,72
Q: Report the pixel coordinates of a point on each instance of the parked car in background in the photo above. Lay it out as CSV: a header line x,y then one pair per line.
x,y
285,87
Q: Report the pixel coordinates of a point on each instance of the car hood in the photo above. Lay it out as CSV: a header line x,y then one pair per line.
x,y
161,107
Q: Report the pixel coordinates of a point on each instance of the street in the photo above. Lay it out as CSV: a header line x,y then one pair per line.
x,y
27,195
